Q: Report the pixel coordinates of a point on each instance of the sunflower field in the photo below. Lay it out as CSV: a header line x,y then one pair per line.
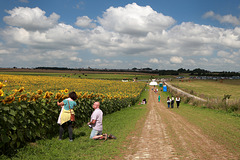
x,y
28,104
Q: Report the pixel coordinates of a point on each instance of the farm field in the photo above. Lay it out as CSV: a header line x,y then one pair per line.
x,y
183,133
55,84
209,88
187,132
85,75
28,102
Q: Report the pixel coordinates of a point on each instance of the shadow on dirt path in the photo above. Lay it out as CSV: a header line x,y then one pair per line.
x,y
166,135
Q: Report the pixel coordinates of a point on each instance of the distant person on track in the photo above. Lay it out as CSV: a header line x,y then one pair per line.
x,y
168,102
159,98
96,121
65,115
172,102
178,101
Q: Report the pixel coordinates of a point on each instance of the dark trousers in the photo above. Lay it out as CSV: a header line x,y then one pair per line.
x,y
168,103
172,104
178,102
70,129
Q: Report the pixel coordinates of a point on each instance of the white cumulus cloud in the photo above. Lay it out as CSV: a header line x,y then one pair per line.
x,y
76,59
85,22
153,60
135,20
176,59
223,19
223,54
30,18
97,60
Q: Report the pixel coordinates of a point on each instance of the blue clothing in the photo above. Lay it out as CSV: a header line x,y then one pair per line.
x,y
71,103
95,133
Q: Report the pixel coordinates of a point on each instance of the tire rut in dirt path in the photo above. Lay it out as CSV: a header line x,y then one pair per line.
x,y
166,135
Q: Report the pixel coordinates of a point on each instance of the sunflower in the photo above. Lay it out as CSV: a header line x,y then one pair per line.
x,y
23,96
32,98
15,91
36,97
58,95
85,95
21,89
2,85
39,91
47,95
8,99
1,92
66,90
89,96
65,96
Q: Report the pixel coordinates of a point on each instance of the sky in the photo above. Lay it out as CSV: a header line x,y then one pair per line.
x,y
120,34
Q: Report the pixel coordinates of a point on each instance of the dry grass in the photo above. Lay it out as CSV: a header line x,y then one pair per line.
x,y
210,88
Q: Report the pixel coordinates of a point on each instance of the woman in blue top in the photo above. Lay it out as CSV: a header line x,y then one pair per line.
x,y
65,115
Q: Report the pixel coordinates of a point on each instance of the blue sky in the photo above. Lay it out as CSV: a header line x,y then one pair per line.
x,y
125,34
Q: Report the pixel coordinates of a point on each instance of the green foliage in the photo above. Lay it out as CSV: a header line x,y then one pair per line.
x,y
226,96
23,122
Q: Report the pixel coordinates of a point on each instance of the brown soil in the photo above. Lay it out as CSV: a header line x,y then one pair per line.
x,y
167,135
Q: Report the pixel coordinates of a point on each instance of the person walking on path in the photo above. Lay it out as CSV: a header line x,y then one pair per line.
x,y
96,121
172,102
65,115
168,102
159,98
178,101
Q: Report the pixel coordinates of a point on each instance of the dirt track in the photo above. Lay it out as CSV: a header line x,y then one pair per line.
x,y
166,135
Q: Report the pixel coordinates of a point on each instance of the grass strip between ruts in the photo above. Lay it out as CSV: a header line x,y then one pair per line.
x,y
121,124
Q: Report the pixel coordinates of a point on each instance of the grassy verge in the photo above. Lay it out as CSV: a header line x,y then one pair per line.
x,y
221,126
210,88
120,124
